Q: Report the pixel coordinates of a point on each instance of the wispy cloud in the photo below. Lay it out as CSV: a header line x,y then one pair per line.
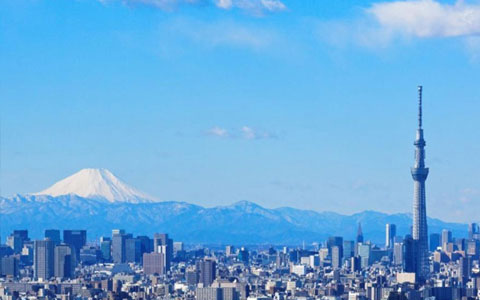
x,y
257,7
223,33
245,132
252,134
218,132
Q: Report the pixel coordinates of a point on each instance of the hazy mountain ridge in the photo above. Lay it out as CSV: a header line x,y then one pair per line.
x,y
240,223
96,200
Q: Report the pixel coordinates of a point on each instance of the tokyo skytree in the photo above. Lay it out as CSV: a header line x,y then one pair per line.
x,y
419,174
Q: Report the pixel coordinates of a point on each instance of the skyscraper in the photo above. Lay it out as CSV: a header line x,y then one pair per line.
x,y
76,239
359,234
154,263
9,266
161,239
133,250
364,251
335,241
106,248
44,259
22,233
434,241
390,233
336,257
118,246
64,264
207,270
409,254
54,235
473,231
446,238
419,174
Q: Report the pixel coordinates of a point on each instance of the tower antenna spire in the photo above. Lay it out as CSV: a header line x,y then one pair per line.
x,y
420,106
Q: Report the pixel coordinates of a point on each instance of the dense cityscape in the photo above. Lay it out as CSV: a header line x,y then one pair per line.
x,y
124,266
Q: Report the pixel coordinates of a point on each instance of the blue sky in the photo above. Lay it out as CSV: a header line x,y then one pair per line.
x,y
310,104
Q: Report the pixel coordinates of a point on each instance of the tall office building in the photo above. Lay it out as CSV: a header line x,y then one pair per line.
x,y
390,233
76,239
133,250
364,251
348,249
15,242
153,263
446,238
434,241
9,266
244,256
209,293
398,254
106,248
161,239
43,257
409,254
64,265
118,246
359,233
419,174
336,257
473,231
335,241
23,234
146,244
473,248
53,235
464,272
206,269
17,239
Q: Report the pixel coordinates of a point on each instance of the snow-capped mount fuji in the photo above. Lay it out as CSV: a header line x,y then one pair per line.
x,y
99,184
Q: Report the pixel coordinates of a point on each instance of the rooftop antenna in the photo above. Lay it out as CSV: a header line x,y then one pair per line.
x,y
420,106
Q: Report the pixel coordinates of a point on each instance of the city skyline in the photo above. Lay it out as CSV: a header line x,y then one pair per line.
x,y
240,149
236,103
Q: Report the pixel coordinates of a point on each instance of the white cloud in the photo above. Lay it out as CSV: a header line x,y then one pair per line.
x,y
274,5
225,4
245,132
386,23
252,134
428,18
218,131
248,133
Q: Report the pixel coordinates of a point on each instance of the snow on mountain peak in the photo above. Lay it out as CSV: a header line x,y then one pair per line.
x,y
98,184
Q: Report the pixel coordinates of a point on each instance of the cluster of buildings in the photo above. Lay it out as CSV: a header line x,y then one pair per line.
x,y
122,266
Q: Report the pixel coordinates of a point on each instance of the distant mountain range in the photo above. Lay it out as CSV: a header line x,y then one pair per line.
x,y
96,200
